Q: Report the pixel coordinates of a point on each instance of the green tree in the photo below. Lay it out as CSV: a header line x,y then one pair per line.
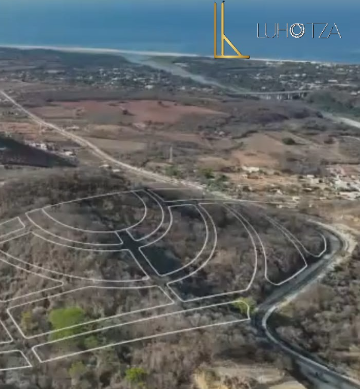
x,y
66,317
76,370
289,141
91,342
243,303
27,321
207,173
173,171
219,182
135,375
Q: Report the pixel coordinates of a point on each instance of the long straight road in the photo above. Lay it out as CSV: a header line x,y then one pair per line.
x,y
85,143
104,157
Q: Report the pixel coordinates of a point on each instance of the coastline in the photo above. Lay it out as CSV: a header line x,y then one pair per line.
x,y
89,50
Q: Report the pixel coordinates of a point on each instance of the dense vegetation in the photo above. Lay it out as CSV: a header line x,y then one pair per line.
x,y
158,363
336,101
325,320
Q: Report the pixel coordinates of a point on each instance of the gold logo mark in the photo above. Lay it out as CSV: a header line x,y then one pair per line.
x,y
223,37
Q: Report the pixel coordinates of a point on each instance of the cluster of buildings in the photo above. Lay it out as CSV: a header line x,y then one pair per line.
x,y
52,148
281,75
40,145
336,185
346,187
128,77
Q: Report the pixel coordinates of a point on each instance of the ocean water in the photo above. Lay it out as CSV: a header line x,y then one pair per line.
x,y
183,26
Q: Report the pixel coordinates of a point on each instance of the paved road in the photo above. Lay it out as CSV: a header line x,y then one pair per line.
x,y
323,376
333,379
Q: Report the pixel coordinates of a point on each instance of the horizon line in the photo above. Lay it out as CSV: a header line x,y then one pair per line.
x,y
95,50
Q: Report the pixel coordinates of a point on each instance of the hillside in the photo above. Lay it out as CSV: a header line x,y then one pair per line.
x,y
13,152
95,272
325,320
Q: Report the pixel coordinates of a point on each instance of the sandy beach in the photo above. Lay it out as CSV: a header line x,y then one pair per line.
x,y
135,52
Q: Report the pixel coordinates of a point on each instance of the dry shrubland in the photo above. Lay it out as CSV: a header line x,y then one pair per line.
x,y
159,363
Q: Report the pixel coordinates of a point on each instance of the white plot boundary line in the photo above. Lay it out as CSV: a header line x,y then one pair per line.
x,y
214,199
67,275
292,241
11,339
300,244
95,250
167,231
14,231
159,225
147,277
18,367
141,338
237,201
61,283
284,231
91,197
158,196
71,240
172,302
211,256
134,192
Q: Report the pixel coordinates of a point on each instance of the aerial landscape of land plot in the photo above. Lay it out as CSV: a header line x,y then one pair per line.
x,y
70,295
150,221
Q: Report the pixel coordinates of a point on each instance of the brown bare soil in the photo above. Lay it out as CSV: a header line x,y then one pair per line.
x,y
267,150
252,158
184,139
55,111
28,131
124,132
120,146
167,112
216,163
140,110
260,150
